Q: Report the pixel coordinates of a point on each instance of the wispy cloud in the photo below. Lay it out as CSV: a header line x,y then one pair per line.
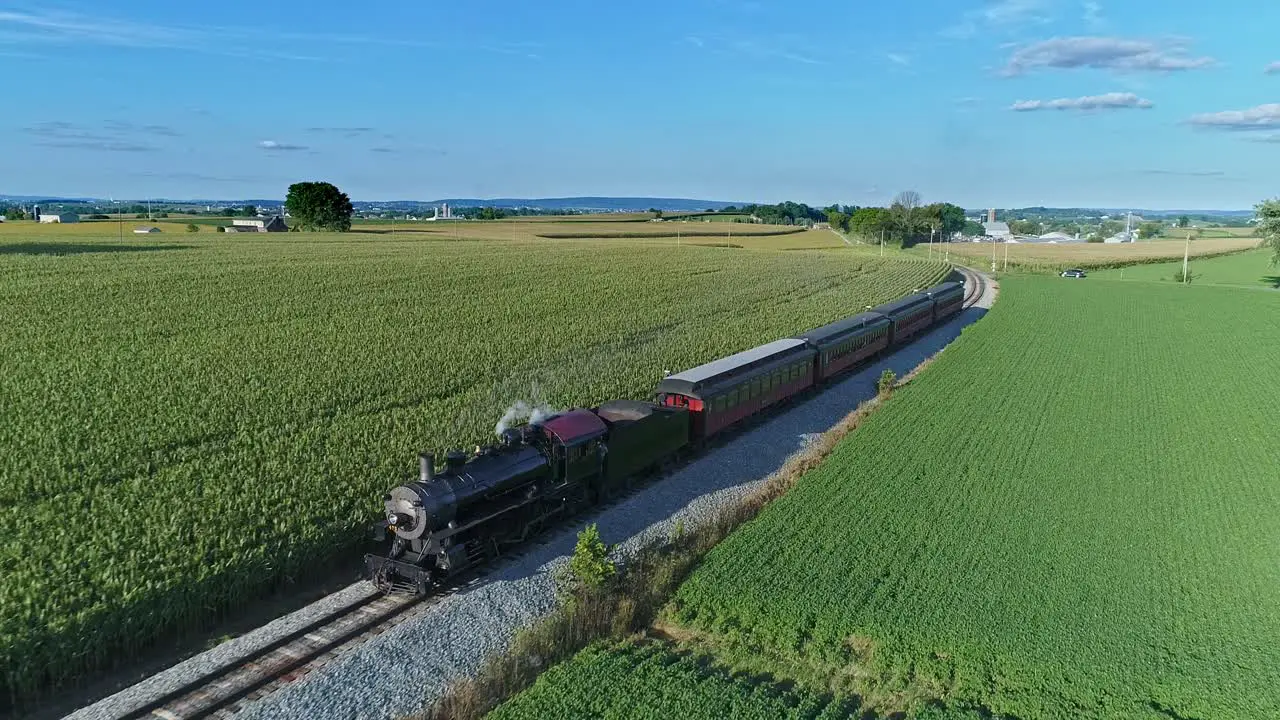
x,y
57,27
1000,15
1093,15
1104,53
1274,138
1272,68
273,146
1109,101
346,132
1186,173
110,136
343,130
382,150
132,128
1261,118
98,145
199,177
899,59
782,47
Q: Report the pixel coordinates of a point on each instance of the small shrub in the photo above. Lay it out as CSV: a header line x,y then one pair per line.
x,y
590,566
221,229
886,382
192,227
1179,277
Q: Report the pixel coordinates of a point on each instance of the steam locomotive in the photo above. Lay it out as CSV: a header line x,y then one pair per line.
x,y
478,505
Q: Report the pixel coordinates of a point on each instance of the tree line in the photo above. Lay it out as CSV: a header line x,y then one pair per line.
x,y
906,221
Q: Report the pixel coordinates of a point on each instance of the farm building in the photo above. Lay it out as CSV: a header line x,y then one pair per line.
x,y
145,230
274,224
996,229
59,217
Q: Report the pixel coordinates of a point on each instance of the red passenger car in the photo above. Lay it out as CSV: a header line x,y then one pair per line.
x,y
727,390
948,299
911,315
845,343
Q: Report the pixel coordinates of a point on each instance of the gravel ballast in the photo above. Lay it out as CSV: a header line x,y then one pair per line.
x,y
402,670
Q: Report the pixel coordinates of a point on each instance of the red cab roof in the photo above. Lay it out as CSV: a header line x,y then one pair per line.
x,y
574,427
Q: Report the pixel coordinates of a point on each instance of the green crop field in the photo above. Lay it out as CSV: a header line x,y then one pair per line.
x,y
1074,513
188,421
1248,269
651,681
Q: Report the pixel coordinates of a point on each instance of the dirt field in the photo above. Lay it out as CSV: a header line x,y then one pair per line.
x,y
1043,256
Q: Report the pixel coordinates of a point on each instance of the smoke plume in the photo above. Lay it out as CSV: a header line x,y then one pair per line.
x,y
522,412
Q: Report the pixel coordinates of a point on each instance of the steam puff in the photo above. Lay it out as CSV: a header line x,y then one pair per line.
x,y
522,412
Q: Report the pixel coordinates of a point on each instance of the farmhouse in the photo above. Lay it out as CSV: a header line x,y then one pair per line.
x,y
145,230
273,224
59,217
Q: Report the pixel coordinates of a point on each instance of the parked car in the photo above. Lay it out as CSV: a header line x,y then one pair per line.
x,y
1073,273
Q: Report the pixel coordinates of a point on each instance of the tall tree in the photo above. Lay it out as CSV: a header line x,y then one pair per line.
x,y
1024,227
319,206
906,212
1183,221
1268,213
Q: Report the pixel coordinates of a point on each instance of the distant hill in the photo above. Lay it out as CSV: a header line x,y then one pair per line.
x,y
1096,212
606,204
598,204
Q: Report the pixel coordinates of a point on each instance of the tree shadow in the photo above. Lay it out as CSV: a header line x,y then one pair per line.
x,y
1272,280
57,248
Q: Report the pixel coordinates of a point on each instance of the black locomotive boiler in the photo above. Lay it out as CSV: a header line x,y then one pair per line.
x,y
480,504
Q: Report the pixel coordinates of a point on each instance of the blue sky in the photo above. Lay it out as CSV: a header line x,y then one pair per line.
x,y
1143,103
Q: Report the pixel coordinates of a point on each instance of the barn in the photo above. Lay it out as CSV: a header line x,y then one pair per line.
x,y
59,217
248,225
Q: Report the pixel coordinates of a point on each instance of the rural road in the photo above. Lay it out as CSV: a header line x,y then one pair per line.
x,y
403,669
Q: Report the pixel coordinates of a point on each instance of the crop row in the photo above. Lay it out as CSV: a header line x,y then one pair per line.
x,y
187,429
1072,514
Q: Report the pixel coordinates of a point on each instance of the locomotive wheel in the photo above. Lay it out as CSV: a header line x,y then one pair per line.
x,y
383,580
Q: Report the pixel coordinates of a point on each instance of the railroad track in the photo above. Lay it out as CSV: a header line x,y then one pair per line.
x,y
975,286
220,692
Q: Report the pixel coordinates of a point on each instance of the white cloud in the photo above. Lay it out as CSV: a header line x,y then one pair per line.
x,y
898,59
1263,117
1109,101
1002,14
1104,53
274,146
1273,68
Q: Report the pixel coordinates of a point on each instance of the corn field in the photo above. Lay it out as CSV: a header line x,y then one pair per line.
x,y
188,427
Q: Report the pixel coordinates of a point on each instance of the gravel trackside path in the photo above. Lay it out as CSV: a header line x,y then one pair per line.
x,y
403,669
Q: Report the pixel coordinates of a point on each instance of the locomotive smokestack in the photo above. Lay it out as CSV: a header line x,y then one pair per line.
x,y
426,467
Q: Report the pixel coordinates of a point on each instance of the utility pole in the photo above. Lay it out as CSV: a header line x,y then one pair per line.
x,y
1186,255
881,242
1006,254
